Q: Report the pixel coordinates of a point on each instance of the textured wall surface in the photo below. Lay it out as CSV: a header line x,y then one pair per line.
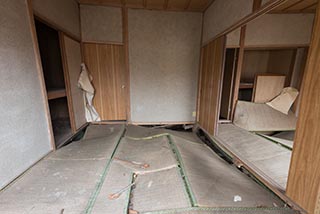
x,y
216,20
280,29
73,57
164,49
24,137
64,13
233,38
101,24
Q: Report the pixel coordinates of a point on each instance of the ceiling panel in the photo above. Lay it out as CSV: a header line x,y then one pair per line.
x,y
297,6
286,4
156,4
117,3
135,3
198,4
303,5
176,5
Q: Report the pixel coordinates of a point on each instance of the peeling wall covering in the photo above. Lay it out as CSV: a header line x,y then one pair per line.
x,y
101,24
64,13
216,20
164,49
280,29
24,137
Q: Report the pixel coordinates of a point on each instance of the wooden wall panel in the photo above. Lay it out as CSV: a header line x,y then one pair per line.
x,y
106,64
304,176
210,84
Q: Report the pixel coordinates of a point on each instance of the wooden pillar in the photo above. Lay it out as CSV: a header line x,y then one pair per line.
x,y
304,176
125,31
237,78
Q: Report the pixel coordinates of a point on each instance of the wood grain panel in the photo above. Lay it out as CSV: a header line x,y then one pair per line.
x,y
197,5
106,64
177,4
210,84
297,6
155,4
304,176
302,5
134,3
267,87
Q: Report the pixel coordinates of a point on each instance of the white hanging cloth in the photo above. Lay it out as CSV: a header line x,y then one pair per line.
x,y
85,84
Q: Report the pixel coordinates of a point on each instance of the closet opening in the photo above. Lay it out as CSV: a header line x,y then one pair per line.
x,y
55,81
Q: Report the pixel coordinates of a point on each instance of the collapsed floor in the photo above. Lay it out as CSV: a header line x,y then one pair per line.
x,y
118,169
269,156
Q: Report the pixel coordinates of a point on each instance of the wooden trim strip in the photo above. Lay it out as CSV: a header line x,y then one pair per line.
x,y
102,43
126,49
275,47
239,71
199,75
104,122
40,72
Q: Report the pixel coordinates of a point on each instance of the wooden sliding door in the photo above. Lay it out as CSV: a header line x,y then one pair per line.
x,y
210,84
106,64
